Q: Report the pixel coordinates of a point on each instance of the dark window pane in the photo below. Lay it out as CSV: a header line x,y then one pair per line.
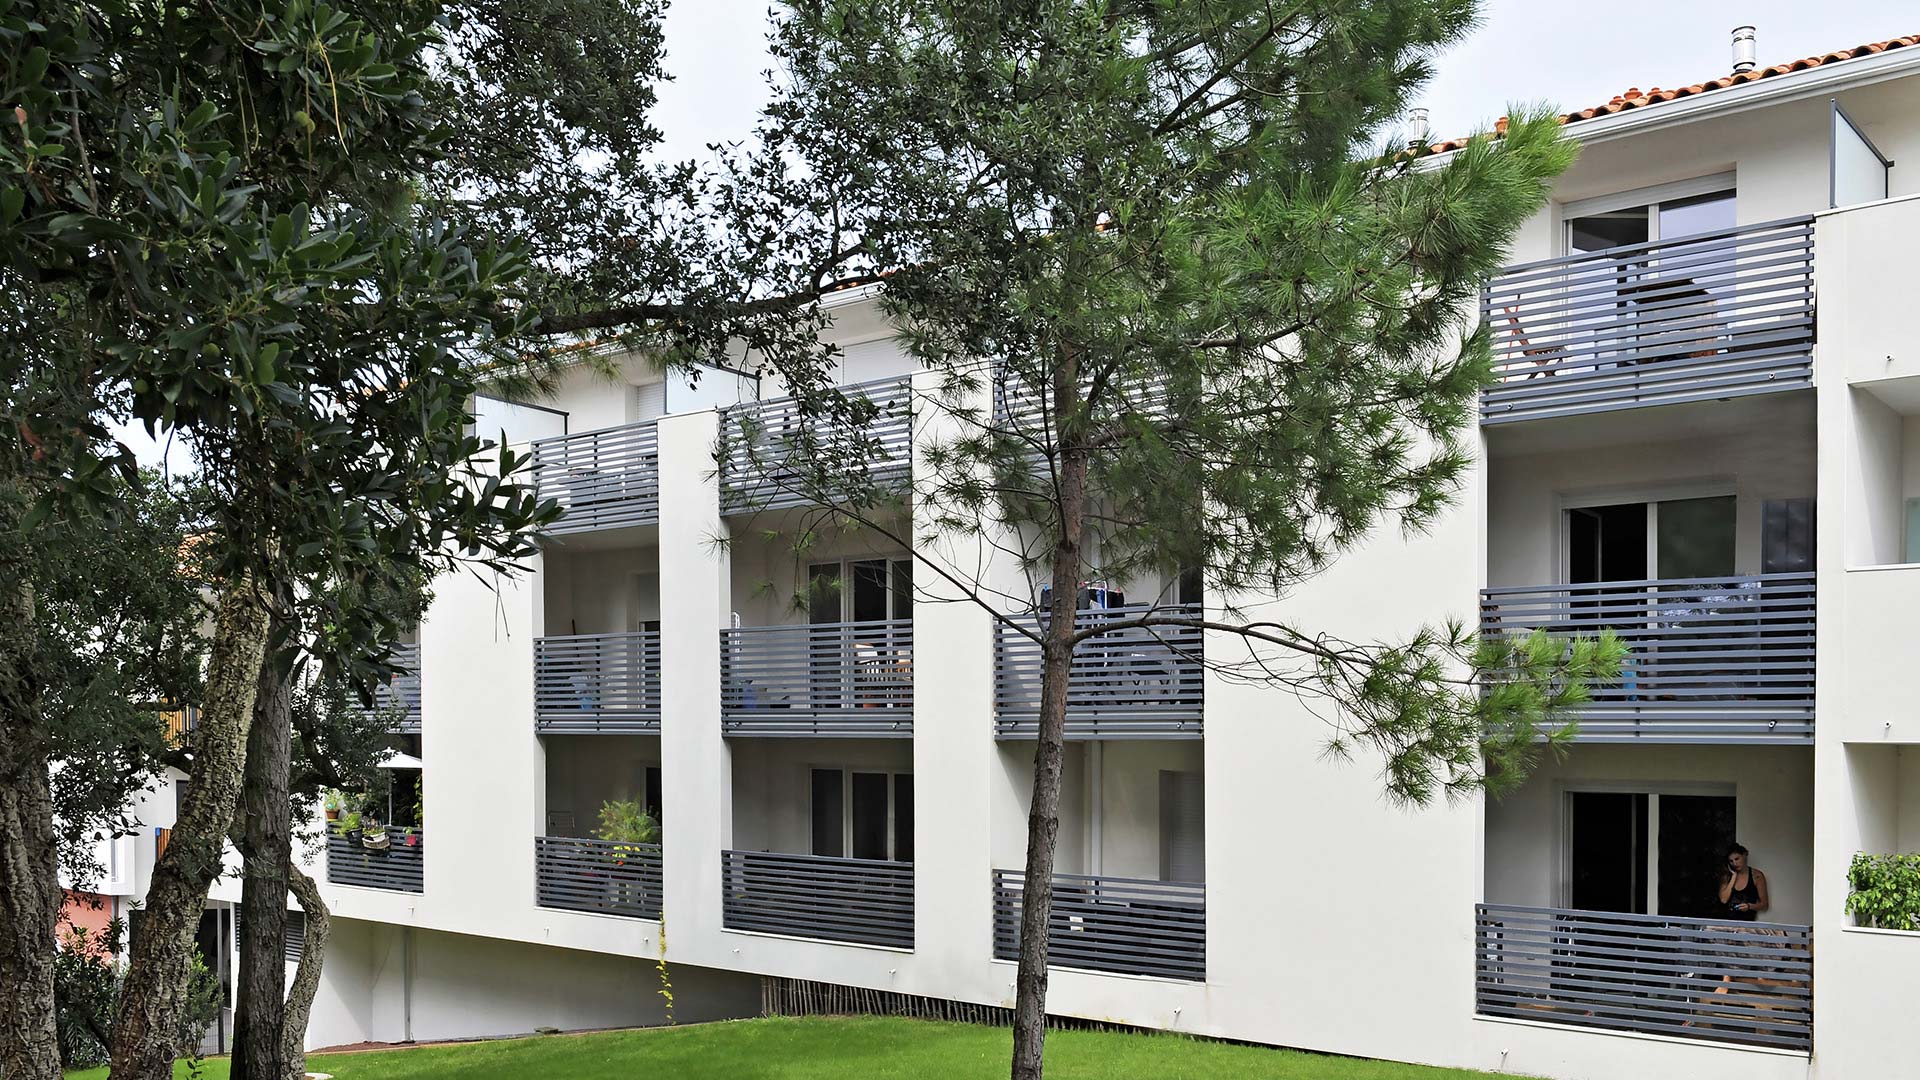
x,y
1695,537
1786,536
1695,831
903,817
1192,589
829,813
903,588
823,592
869,815
1609,857
654,801
1598,232
869,590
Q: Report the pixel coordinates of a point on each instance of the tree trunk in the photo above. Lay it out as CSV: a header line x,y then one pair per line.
x,y
153,996
306,978
1049,752
29,858
265,828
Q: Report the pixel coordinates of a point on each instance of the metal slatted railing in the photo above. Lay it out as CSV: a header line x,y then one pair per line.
x,y
757,434
597,683
1129,683
1127,926
602,877
397,867
1710,659
815,679
403,690
1743,982
606,479
864,901
1717,315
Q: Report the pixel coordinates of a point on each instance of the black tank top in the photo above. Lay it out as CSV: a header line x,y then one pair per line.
x,y
1749,895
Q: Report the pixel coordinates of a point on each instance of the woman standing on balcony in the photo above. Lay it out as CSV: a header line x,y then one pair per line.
x,y
1743,889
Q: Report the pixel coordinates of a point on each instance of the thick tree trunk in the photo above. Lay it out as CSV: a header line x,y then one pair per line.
x,y
29,858
265,828
153,996
1049,752
306,978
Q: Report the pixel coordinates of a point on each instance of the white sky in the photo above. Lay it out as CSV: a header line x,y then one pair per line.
x,y
1570,53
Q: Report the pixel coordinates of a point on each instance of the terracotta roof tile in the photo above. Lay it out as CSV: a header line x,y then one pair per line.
x,y
1635,98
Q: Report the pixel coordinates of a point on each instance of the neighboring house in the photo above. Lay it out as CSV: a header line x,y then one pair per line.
x,y
1683,446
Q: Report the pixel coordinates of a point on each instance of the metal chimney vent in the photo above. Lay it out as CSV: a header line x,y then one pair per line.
x,y
1420,132
1743,49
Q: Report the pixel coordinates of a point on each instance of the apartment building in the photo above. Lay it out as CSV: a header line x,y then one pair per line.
x,y
1706,435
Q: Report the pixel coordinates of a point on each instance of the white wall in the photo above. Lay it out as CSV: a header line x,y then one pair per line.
x,y
1772,788
771,784
601,591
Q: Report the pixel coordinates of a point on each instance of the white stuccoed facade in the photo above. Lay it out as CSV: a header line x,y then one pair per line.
x,y
1334,921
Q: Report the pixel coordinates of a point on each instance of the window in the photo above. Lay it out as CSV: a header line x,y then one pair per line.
x,y
1786,536
862,814
1664,538
1647,852
1183,826
860,590
1668,212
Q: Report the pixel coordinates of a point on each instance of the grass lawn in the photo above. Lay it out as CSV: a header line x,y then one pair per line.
x,y
821,1048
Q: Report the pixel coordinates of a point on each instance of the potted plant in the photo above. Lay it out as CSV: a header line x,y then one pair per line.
x,y
330,803
1884,891
373,835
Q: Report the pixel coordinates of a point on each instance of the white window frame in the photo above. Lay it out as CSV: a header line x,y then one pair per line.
x,y
1652,789
846,806
845,562
1652,496
1650,197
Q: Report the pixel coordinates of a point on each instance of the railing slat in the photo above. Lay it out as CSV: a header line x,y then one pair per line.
x,y
1714,979
607,479
1126,926
398,868
1709,659
864,901
597,683
1137,682
601,877
818,679
1716,315
756,434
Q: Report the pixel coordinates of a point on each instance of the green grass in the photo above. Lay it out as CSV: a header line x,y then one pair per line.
x,y
832,1048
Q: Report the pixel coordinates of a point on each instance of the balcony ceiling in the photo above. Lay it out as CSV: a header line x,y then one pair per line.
x,y
1785,411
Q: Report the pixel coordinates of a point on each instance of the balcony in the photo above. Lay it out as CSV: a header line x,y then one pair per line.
x,y
1710,979
599,877
402,690
1711,660
1709,317
818,679
606,479
597,683
397,868
860,901
753,475
1131,683
1124,926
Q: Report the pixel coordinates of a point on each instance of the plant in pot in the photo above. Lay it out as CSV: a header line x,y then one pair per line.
x,y
1883,891
331,803
373,835
627,825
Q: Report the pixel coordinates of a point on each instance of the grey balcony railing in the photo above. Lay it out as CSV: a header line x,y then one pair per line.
x,y
864,901
402,690
1714,979
606,479
754,474
597,683
1710,659
853,678
398,867
1127,926
1717,315
602,877
1128,683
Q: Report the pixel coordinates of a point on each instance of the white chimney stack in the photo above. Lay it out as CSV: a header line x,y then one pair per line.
x,y
1744,56
1422,132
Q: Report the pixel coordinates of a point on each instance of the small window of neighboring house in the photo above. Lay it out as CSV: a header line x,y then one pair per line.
x,y
1183,826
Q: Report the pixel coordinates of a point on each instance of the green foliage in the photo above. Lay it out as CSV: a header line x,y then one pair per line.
x,y
1884,891
1185,309
87,989
625,821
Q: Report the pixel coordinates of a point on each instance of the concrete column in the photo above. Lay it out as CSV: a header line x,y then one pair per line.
x,y
954,761
696,767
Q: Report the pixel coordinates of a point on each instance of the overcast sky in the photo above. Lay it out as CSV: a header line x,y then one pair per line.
x,y
1570,53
